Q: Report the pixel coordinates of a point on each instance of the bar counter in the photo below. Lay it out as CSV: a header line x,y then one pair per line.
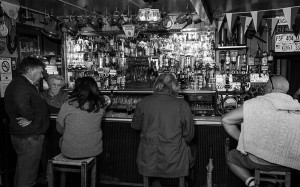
x,y
117,162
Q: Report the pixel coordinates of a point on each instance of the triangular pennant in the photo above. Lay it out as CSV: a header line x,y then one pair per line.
x,y
257,16
274,24
247,23
220,23
242,20
290,15
213,25
269,22
230,20
262,27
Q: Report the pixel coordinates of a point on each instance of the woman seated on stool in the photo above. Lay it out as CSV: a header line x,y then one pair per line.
x,y
79,121
55,96
167,129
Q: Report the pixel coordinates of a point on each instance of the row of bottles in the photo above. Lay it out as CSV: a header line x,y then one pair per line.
x,y
233,62
107,57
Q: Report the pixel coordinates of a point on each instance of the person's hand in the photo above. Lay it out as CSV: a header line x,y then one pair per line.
x,y
297,93
23,122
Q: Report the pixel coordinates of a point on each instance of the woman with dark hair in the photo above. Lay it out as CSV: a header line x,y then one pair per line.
x,y
79,121
167,128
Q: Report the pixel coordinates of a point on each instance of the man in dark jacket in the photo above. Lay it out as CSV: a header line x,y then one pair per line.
x,y
167,128
29,120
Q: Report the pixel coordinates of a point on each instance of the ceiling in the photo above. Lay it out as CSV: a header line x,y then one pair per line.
x,y
206,8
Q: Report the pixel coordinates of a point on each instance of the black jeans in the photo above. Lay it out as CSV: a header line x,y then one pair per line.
x,y
29,151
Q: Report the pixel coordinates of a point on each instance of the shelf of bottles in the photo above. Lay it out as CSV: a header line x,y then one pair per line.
x,y
117,62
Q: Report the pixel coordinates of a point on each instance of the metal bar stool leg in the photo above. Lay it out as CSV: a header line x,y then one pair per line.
x,y
257,178
146,181
181,182
50,178
62,179
288,179
93,175
84,174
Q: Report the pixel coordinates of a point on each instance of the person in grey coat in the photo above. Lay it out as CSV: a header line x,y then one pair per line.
x,y
167,129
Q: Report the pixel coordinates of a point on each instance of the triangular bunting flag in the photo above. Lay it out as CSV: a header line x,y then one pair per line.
x,y
230,20
220,23
290,15
242,20
257,16
213,25
262,27
274,24
247,23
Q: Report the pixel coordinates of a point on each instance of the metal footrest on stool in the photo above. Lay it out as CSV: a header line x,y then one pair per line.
x,y
63,165
283,177
181,181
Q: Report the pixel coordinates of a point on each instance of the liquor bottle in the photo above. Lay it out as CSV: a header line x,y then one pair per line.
x,y
233,56
270,61
257,60
227,61
239,63
244,64
264,65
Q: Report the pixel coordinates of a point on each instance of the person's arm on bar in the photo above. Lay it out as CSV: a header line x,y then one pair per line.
x,y
296,94
60,120
137,119
231,121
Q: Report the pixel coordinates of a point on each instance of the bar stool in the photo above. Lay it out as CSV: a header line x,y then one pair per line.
x,y
283,177
63,164
146,181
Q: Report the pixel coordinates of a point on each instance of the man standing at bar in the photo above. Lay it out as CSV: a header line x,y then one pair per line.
x,y
29,119
269,137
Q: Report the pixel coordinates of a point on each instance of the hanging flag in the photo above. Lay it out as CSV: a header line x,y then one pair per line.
x,y
220,22
261,28
214,24
256,16
272,23
230,20
290,15
247,23
242,20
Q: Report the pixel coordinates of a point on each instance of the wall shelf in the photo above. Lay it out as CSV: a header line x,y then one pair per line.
x,y
232,47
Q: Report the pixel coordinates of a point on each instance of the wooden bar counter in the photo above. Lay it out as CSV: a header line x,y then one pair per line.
x,y
117,162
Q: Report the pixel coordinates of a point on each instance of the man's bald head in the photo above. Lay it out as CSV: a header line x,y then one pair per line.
x,y
280,84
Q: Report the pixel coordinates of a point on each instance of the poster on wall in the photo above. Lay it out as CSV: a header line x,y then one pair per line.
x,y
287,42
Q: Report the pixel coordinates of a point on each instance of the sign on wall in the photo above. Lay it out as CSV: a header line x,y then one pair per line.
x,y
5,65
287,42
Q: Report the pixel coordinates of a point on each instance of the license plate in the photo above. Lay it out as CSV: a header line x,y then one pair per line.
x,y
287,47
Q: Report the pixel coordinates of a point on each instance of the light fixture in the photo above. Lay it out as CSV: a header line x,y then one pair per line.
x,y
52,29
87,31
149,15
72,26
96,22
